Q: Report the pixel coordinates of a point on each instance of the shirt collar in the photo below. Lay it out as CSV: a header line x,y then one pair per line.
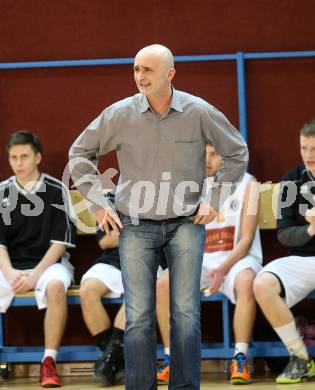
x,y
175,102
308,174
144,104
35,188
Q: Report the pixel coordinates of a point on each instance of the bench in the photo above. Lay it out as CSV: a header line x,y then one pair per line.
x,y
218,350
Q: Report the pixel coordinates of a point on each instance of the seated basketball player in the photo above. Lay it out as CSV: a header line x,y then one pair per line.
x,y
35,231
286,281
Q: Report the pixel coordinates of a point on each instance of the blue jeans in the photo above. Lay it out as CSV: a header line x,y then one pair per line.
x,y
140,248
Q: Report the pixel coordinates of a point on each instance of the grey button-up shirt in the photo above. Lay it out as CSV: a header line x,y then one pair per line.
x,y
161,157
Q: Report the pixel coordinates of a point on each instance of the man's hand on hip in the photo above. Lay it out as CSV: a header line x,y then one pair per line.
x,y
106,217
205,214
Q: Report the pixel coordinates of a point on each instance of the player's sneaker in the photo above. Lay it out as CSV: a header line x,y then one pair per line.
x,y
110,367
297,370
163,372
240,374
48,373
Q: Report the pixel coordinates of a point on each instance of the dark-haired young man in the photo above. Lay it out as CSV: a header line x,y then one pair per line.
x,y
35,230
284,282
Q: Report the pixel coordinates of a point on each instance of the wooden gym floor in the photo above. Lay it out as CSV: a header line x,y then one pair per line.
x,y
209,381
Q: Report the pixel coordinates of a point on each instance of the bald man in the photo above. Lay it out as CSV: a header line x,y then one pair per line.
x,y
161,205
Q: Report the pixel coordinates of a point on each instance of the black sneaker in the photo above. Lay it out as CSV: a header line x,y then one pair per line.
x,y
110,366
297,370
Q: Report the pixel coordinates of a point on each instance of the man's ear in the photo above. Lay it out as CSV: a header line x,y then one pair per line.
x,y
38,157
171,74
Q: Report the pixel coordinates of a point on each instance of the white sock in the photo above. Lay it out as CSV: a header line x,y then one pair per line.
x,y
292,340
241,348
298,348
167,351
50,352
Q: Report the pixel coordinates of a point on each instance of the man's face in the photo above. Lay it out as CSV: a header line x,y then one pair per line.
x,y
307,147
152,74
213,161
24,161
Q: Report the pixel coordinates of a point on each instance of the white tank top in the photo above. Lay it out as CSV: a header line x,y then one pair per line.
x,y
223,233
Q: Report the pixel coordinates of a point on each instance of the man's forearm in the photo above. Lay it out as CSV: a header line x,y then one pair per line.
x,y
226,184
5,262
239,252
229,143
294,235
83,162
52,255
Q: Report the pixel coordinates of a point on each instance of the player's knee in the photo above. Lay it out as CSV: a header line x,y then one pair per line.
x,y
162,287
259,287
264,288
244,285
55,291
88,293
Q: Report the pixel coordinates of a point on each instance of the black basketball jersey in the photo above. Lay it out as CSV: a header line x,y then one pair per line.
x,y
297,190
31,221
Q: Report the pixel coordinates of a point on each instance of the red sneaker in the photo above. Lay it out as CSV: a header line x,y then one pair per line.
x,y
48,373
